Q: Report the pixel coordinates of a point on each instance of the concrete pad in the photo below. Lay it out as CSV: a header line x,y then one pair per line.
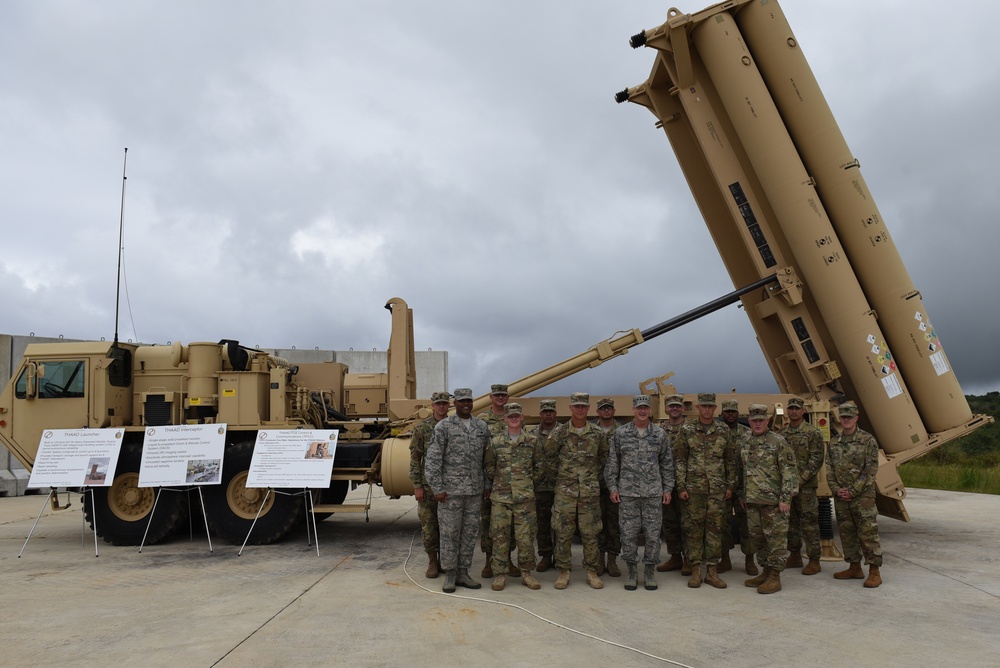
x,y
364,601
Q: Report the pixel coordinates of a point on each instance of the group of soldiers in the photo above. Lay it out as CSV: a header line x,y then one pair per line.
x,y
620,486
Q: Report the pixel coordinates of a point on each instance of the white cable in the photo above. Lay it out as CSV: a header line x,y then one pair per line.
x,y
533,614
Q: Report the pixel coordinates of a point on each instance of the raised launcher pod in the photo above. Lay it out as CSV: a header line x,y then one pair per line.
x,y
829,329
887,285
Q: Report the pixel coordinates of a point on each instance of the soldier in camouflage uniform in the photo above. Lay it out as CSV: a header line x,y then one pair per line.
x,y
426,505
803,522
545,483
672,532
455,473
510,474
493,417
766,481
852,462
731,416
706,467
640,477
609,541
580,451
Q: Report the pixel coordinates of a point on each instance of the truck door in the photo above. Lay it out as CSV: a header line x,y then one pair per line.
x,y
55,398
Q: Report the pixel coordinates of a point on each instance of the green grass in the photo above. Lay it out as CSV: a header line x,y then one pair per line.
x,y
951,477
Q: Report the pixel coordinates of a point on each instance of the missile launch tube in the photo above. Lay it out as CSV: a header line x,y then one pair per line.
x,y
854,215
825,266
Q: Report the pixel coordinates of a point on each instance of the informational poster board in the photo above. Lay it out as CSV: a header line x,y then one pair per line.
x,y
76,458
182,455
293,458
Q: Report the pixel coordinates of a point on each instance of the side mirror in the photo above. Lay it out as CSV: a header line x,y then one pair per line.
x,y
31,380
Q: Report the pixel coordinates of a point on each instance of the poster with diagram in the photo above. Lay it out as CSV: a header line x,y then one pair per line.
x,y
301,458
76,458
182,455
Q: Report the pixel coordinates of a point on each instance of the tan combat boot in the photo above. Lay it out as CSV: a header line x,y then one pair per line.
x,y
760,579
750,566
433,568
594,581
874,577
812,568
686,567
696,576
529,581
600,564
726,564
613,569
649,577
488,568
794,560
563,580
545,563
853,572
712,578
672,564
771,584
499,582
463,579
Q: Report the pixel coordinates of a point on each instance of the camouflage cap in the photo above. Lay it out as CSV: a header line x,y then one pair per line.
x,y
675,400
499,388
795,402
706,399
605,401
730,405
511,409
547,405
640,400
440,397
757,411
848,408
579,399
463,393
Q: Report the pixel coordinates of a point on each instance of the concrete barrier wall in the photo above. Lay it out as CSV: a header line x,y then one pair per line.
x,y
432,375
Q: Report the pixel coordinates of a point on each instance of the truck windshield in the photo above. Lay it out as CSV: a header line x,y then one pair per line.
x,y
60,380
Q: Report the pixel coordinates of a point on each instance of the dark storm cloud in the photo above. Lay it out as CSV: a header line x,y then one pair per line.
x,y
292,166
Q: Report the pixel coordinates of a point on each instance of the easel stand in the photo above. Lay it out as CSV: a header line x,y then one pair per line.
x,y
83,529
311,519
188,491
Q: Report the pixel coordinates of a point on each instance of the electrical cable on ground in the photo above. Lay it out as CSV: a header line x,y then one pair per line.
x,y
533,614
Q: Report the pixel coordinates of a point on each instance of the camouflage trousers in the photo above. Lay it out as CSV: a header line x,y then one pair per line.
x,y
735,513
568,512
458,521
769,532
857,521
486,530
703,522
672,532
641,513
803,523
610,538
519,519
543,515
427,511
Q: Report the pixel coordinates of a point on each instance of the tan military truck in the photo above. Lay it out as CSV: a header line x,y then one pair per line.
x,y
835,312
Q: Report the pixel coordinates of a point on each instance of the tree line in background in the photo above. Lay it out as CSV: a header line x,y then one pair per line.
x,y
969,464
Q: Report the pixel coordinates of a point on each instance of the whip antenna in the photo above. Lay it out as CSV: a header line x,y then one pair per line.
x,y
121,235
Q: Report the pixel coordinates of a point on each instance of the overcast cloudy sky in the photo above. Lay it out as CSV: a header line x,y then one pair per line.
x,y
292,165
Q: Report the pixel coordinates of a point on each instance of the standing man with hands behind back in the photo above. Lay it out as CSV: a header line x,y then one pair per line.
x,y
640,476
426,505
456,474
852,463
705,479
